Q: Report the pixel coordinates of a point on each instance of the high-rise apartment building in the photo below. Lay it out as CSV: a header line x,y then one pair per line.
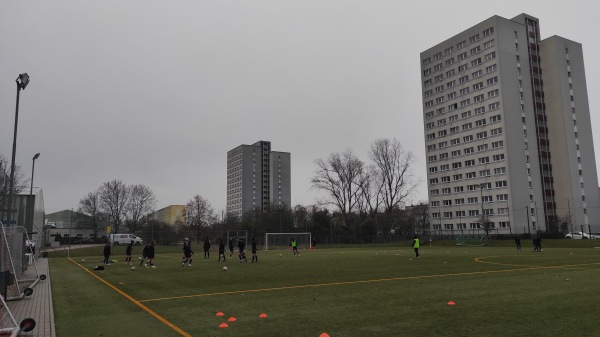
x,y
507,131
257,178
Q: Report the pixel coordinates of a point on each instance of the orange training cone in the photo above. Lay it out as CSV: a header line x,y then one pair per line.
x,y
220,313
263,315
451,303
324,334
232,319
223,325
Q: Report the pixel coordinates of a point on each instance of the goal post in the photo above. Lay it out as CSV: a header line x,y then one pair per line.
x,y
282,240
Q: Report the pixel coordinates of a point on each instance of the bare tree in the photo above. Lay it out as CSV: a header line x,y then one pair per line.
x,y
90,207
340,176
393,168
199,213
421,214
114,198
19,183
141,202
370,196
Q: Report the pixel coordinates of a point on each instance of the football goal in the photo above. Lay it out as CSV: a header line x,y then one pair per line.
x,y
275,241
471,240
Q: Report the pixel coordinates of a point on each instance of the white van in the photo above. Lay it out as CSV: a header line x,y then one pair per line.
x,y
125,239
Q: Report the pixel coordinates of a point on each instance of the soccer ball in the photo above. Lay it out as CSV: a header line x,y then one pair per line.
x,y
132,267
224,268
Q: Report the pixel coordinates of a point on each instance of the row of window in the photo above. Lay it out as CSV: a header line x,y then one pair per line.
x,y
471,188
450,73
469,175
470,162
465,126
463,103
477,86
472,225
473,39
471,201
470,213
463,56
465,139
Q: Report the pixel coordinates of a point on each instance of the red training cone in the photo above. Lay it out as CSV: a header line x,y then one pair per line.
x,y
220,313
232,319
451,303
324,334
263,315
223,325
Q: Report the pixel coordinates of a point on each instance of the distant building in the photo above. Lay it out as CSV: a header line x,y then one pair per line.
x,y
257,177
170,214
507,131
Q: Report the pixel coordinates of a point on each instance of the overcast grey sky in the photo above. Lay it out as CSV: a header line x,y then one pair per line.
x,y
157,92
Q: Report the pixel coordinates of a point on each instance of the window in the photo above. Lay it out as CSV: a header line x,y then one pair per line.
x,y
497,131
446,179
487,198
429,114
490,69
478,98
470,162
493,93
492,80
460,45
433,181
471,175
450,84
460,201
498,157
440,111
462,56
478,86
454,130
488,31
479,111
428,92
480,122
462,68
430,125
455,141
465,114
498,144
500,184
426,72
447,215
476,74
467,126
443,144
427,82
490,56
494,106
482,148
435,204
455,153
452,95
445,167
488,44
456,165
442,133
499,170
428,104
450,72
475,50
433,169
453,118
431,136
482,135
437,56
439,100
474,38
439,88
465,102
446,190
437,67
468,138
484,160
469,150
434,192
464,91
484,173
502,197
450,61
472,200
432,158
460,214
502,211
476,62
463,79
447,202
438,78
448,51
426,61
474,212
495,118
431,147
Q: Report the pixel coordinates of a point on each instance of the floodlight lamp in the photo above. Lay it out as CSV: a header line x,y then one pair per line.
x,y
22,81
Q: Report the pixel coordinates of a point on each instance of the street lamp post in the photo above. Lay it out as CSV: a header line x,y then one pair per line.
x,y
22,82
30,201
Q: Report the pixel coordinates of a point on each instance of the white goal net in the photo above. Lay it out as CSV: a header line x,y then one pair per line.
x,y
275,241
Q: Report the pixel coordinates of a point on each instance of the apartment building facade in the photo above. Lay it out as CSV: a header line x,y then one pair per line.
x,y
257,178
507,132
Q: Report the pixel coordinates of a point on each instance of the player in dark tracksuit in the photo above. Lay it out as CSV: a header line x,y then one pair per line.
x,y
128,252
221,250
231,247
145,254
187,253
107,253
206,248
254,256
241,250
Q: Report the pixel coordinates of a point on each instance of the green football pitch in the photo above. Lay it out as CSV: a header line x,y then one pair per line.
x,y
375,291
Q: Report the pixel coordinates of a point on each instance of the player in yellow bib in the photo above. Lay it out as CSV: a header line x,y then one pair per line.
x,y
416,245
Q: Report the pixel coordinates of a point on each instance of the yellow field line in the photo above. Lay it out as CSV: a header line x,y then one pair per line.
x,y
136,302
568,266
343,283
